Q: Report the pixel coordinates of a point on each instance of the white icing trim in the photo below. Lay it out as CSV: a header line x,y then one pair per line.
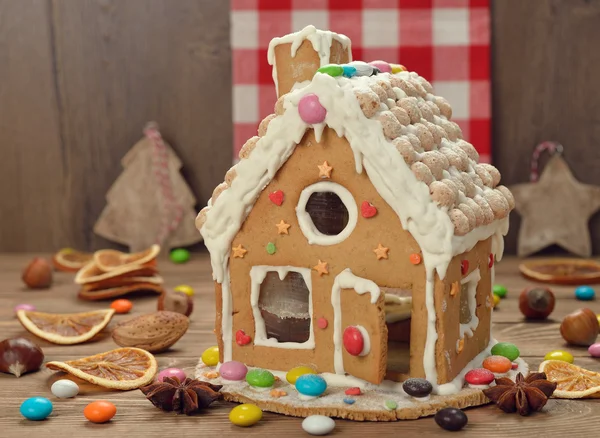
x,y
366,339
346,280
307,226
321,41
226,320
473,280
257,276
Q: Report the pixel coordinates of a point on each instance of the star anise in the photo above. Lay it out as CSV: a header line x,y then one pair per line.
x,y
524,395
186,397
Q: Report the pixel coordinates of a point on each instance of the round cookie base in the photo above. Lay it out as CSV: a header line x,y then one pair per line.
x,y
369,406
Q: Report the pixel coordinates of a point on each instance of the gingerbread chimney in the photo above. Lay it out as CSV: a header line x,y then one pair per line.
x,y
296,57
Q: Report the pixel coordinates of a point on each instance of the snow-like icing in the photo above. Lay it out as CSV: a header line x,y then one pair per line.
x,y
472,280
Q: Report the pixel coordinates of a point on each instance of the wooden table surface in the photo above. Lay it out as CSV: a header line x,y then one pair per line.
x,y
137,417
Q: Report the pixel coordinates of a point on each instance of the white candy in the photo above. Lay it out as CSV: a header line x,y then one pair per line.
x,y
64,388
318,424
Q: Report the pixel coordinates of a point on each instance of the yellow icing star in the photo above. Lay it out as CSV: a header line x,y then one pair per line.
x,y
321,268
381,252
239,252
282,227
325,170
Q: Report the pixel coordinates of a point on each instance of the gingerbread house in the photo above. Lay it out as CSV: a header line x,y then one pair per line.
x,y
358,232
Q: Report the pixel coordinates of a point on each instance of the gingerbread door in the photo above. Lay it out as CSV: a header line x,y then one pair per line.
x,y
360,333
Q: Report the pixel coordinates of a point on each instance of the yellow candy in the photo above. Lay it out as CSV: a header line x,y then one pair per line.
x,y
598,316
210,357
296,372
496,300
397,68
185,289
245,415
565,356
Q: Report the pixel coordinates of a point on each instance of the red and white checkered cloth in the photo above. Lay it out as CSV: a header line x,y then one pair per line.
x,y
445,41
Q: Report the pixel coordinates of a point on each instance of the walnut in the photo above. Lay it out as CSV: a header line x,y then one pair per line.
x,y
248,147
424,136
422,172
508,195
368,101
442,194
390,124
497,202
279,109
410,106
201,218
436,162
218,190
406,150
494,173
485,176
468,212
262,128
401,115
444,106
460,222
377,89
488,214
426,112
230,176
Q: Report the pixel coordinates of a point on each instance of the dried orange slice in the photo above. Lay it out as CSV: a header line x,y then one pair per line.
x,y
71,260
571,381
123,368
109,259
67,328
102,294
562,271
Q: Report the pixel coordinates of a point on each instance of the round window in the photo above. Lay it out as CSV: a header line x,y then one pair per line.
x,y
327,213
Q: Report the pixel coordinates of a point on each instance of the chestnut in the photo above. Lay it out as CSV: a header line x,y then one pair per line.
x,y
580,327
19,356
536,302
38,274
178,302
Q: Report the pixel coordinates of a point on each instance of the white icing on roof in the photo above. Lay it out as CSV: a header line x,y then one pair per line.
x,y
427,220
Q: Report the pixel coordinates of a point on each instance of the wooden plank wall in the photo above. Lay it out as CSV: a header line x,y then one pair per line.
x,y
79,78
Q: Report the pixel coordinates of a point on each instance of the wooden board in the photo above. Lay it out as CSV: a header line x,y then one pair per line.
x,y
136,417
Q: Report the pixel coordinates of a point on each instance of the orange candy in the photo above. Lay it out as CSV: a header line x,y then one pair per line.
x,y
100,411
122,306
415,258
497,364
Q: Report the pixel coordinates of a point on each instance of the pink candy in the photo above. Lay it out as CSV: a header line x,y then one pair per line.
x,y
171,372
311,110
233,370
26,307
383,66
479,376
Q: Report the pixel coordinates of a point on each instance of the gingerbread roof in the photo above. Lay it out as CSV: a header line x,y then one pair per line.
x,y
403,136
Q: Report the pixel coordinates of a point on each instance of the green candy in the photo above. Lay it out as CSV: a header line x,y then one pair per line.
x,y
499,290
260,378
332,70
271,248
506,349
390,405
179,255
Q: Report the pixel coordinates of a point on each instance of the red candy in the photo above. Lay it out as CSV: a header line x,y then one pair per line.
x,y
491,261
479,376
353,340
353,391
322,323
514,366
464,267
367,209
276,197
242,338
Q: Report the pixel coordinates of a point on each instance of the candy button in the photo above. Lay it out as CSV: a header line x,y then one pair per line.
x,y
233,370
271,248
464,267
383,66
293,374
349,401
362,68
349,70
496,300
36,408
497,364
585,293
594,350
499,290
479,376
507,350
121,306
210,357
245,415
26,307
311,110
318,424
322,323
179,255
331,70
311,384
565,356
397,68
355,390
171,372
188,290
64,388
417,387
390,405
260,378
514,366
100,411
451,419
353,340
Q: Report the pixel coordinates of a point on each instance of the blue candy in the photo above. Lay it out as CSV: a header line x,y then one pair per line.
x,y
36,408
311,384
349,401
585,293
349,70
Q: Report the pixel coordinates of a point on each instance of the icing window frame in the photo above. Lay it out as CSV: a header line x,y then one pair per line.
x,y
308,228
472,281
257,276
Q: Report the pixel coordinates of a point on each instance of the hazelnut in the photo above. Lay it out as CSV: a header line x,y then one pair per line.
x,y
580,327
19,356
536,302
38,274
178,302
